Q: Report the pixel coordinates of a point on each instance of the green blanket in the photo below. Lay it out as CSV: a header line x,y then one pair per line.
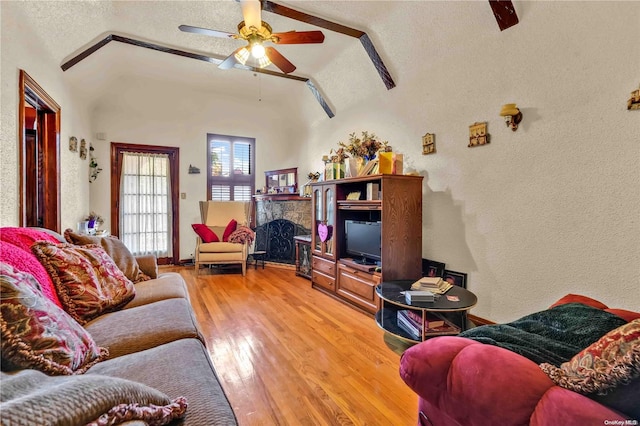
x,y
554,335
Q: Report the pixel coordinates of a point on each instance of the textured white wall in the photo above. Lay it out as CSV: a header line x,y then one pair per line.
x,y
22,50
147,112
548,210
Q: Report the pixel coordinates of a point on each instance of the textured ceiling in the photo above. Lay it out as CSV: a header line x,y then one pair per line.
x,y
67,28
339,67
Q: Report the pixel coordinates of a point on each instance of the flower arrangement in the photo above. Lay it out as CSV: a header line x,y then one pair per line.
x,y
338,156
366,146
95,218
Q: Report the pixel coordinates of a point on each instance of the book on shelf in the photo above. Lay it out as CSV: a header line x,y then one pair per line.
x,y
433,325
446,329
431,320
369,168
435,285
373,191
408,325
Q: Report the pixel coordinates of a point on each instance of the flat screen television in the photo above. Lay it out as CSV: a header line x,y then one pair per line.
x,y
363,241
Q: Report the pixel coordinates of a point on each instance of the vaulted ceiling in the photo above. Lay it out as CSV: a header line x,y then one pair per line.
x,y
339,67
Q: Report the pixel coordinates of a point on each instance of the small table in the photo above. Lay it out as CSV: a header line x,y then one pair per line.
x,y
392,300
258,256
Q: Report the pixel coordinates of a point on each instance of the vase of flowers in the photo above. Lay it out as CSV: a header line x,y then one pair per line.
x,y
363,148
94,221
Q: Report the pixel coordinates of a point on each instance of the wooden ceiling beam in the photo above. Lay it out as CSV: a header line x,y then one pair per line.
x,y
211,59
379,65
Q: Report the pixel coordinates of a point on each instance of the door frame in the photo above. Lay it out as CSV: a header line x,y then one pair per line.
x,y
48,132
117,149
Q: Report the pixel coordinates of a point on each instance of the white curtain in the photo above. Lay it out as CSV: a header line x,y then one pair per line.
x,y
145,204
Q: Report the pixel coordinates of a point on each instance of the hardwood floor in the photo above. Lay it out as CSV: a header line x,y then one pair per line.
x,y
290,355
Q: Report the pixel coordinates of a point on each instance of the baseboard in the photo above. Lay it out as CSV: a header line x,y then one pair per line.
x,y
479,321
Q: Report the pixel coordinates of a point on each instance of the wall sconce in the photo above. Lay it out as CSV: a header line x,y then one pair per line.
x,y
512,115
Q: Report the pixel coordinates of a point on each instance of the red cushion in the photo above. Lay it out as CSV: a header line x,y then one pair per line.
x,y
205,233
577,298
25,261
230,229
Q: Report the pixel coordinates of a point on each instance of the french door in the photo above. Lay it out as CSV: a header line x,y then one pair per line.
x,y
144,194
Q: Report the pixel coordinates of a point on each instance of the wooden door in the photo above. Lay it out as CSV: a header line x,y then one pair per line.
x,y
39,141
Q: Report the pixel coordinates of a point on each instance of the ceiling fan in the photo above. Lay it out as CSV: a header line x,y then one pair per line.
x,y
256,32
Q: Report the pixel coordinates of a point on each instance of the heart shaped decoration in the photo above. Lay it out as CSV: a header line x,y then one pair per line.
x,y
324,231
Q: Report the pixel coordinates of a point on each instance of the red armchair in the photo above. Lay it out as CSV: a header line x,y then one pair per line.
x,y
460,381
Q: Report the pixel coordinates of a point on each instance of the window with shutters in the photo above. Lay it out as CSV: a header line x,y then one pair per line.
x,y
230,168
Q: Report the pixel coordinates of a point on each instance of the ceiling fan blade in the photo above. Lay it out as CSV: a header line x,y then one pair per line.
x,y
252,13
205,31
230,60
295,37
279,60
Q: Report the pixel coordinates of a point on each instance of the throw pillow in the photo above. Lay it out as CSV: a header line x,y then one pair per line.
x,y
578,298
37,334
609,362
205,233
89,399
25,261
242,235
115,248
230,229
87,280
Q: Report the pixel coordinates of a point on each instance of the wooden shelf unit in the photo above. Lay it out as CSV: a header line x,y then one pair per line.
x,y
399,209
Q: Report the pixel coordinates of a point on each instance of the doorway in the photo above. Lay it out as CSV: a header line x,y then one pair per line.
x,y
144,199
39,144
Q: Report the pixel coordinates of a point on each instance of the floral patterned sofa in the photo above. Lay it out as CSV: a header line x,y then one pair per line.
x,y
576,363
92,335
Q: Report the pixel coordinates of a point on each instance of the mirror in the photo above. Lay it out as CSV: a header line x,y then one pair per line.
x,y
282,181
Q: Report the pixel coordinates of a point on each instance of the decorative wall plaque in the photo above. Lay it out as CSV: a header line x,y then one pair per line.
x,y
478,134
83,149
428,144
634,100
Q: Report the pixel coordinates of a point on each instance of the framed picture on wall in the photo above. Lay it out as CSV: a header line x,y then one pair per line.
x,y
431,268
455,278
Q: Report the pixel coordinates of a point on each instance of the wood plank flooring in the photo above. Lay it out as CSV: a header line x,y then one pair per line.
x,y
287,354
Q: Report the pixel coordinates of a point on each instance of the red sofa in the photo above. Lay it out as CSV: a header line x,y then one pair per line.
x,y
460,381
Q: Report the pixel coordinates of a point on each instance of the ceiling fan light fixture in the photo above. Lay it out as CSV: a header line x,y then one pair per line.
x,y
242,55
264,61
257,51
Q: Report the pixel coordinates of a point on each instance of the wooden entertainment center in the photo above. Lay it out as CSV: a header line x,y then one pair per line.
x,y
397,206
